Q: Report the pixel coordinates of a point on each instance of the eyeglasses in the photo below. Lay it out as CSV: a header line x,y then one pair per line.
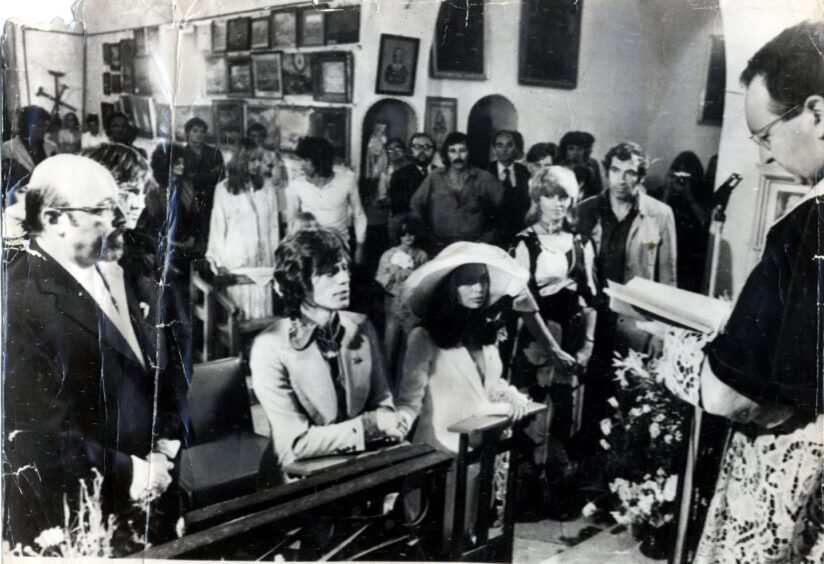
x,y
762,136
95,210
420,147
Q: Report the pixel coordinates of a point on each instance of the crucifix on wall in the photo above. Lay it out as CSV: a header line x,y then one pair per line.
x,y
59,90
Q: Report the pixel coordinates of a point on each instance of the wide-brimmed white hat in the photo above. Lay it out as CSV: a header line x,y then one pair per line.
x,y
506,276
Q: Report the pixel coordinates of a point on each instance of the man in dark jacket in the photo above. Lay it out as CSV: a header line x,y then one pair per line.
x,y
514,178
405,180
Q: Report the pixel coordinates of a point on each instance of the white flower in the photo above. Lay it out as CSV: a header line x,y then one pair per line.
x,y
402,260
634,412
671,488
668,439
50,537
654,430
646,409
613,402
605,445
606,426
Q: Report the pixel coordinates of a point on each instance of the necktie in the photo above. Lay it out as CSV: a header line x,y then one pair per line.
x,y
507,181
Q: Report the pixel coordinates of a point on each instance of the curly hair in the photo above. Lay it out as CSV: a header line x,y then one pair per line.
x,y
792,65
624,151
298,257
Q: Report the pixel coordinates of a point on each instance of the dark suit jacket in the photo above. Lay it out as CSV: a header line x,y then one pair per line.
x,y
76,397
402,187
512,211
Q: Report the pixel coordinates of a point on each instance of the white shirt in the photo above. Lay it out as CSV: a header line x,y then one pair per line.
x,y
336,205
502,175
87,140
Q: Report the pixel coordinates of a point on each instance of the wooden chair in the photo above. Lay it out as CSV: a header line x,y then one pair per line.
x,y
486,433
224,458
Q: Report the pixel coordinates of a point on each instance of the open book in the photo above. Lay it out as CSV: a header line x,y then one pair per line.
x,y
648,300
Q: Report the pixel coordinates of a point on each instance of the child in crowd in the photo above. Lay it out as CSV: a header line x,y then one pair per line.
x,y
394,268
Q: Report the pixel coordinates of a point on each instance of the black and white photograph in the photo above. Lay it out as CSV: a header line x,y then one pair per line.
x,y
531,282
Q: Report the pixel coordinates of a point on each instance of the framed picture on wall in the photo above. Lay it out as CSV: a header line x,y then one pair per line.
x,y
459,52
142,116
107,53
311,31
240,76
114,58
343,25
163,120
185,113
116,86
397,65
712,97
267,72
284,28
293,122
140,42
333,125
267,117
107,83
549,42
229,121
778,193
260,33
441,118
238,34
216,75
333,77
218,36
297,73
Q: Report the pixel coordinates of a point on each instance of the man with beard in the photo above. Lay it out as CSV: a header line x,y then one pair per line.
x,y
406,180
457,202
83,384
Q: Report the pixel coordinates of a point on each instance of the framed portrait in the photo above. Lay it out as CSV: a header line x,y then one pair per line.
x,y
343,25
267,72
240,76
260,33
397,65
238,34
284,28
116,86
203,36
293,122
107,53
333,77
297,73
711,110
114,57
107,83
142,76
460,53
779,191
227,115
265,115
441,118
333,124
311,33
142,116
185,113
163,120
216,75
218,36
550,37
140,42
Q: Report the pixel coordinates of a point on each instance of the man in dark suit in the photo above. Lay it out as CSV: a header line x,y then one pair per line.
x,y
405,180
515,179
85,385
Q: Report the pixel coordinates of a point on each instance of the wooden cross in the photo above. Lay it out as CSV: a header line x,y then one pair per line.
x,y
59,90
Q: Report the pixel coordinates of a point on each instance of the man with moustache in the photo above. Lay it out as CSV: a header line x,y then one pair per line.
x,y
406,180
84,389
457,202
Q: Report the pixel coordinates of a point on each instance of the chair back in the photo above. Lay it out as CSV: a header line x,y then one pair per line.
x,y
219,402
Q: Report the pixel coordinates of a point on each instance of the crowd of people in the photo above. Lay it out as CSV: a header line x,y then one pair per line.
x,y
493,293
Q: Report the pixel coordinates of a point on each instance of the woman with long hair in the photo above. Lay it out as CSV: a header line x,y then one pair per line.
x,y
244,230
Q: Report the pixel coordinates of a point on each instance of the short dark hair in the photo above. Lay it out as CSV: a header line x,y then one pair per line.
x,y
624,151
28,117
256,127
578,138
425,136
792,64
163,159
92,117
540,151
299,256
113,116
320,153
454,138
122,161
396,141
409,225
195,122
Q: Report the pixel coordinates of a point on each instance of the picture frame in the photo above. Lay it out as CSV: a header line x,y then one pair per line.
x,y
229,121
293,122
397,65
114,56
115,85
267,71
107,54
284,28
441,118
311,29
238,34
333,77
549,43
217,75
185,113
218,36
107,83
266,115
297,73
139,35
711,108
777,193
334,125
239,76
460,55
260,33
342,25
142,116
163,120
